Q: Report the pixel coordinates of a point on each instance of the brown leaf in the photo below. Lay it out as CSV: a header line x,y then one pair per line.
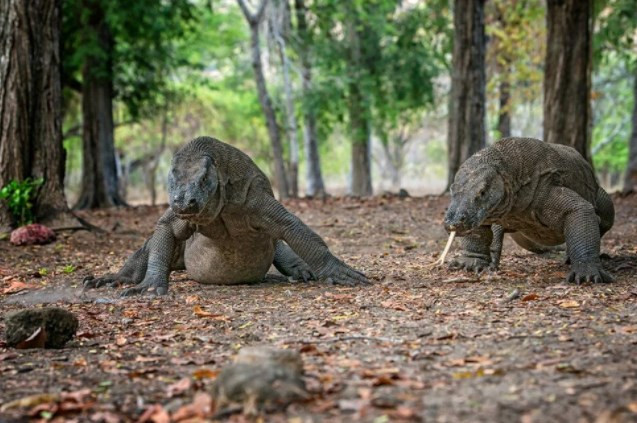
x,y
16,286
36,340
30,401
205,374
569,304
201,407
178,388
530,297
156,414
121,341
203,313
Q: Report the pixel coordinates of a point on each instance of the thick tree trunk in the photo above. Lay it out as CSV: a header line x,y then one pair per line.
x,y
466,132
358,117
99,170
31,105
315,187
254,20
630,180
567,74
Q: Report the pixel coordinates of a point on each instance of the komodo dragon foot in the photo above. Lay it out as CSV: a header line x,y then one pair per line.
x,y
338,273
472,262
588,272
110,280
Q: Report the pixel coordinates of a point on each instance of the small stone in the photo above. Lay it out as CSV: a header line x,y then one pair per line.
x,y
261,378
32,234
49,327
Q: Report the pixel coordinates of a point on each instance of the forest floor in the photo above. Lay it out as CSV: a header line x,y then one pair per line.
x,y
420,344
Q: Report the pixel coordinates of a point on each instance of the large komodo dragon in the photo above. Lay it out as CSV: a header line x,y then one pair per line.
x,y
224,226
544,194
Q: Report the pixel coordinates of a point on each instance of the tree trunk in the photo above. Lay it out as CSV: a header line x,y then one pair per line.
x,y
358,117
466,132
504,112
315,187
630,180
99,170
254,20
361,155
567,74
293,169
31,106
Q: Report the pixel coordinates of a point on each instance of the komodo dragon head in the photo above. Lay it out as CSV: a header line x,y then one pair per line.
x,y
476,193
193,187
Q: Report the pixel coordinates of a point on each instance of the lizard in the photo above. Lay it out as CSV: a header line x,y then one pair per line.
x,y
543,194
224,226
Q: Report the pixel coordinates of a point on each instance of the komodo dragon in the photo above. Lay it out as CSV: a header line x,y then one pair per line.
x,y
544,194
224,226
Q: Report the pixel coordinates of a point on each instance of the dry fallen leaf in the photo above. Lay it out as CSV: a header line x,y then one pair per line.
x,y
530,297
155,414
201,407
205,374
569,304
203,313
178,388
36,340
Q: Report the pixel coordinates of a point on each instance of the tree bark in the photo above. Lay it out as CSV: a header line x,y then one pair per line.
x,y
630,179
31,106
358,117
466,132
254,20
99,170
504,112
315,187
567,74
292,130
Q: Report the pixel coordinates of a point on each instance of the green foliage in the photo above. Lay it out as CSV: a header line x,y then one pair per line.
x,y
68,269
142,50
402,50
19,196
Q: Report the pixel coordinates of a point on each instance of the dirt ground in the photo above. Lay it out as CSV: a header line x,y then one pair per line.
x,y
420,344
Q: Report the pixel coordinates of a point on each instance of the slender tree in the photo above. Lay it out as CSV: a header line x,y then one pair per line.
x,y
254,20
567,74
359,113
31,104
280,29
630,180
466,132
315,187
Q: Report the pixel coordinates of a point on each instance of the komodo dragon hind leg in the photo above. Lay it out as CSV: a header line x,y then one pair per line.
x,y
291,265
134,269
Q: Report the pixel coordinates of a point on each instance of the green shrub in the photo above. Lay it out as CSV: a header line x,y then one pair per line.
x,y
19,196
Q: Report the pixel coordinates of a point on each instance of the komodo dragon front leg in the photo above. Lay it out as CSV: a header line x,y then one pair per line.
x,y
150,266
567,212
269,216
481,249
289,264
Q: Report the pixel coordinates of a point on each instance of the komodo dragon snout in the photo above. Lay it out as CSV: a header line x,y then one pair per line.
x,y
192,183
474,195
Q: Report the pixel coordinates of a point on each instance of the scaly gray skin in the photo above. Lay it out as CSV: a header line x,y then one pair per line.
x,y
544,194
224,226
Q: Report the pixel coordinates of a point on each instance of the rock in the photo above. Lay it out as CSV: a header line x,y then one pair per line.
x,y
32,234
49,327
261,379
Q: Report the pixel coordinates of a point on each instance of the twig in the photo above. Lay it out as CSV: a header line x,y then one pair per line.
x,y
512,296
462,279
342,339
